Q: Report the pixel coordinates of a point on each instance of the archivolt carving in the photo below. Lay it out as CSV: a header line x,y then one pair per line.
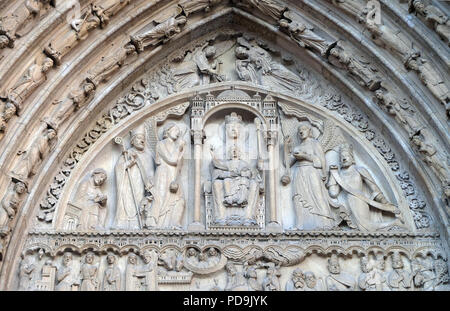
x,y
14,24
150,90
223,57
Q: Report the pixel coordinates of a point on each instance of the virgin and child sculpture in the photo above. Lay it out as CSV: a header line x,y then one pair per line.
x,y
235,182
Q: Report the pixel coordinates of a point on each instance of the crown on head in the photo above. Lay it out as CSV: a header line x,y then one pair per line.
x,y
233,118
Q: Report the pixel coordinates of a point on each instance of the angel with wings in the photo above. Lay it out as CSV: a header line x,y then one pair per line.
x,y
164,205
310,195
306,141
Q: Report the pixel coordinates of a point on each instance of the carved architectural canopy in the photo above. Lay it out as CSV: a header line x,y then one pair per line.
x,y
224,145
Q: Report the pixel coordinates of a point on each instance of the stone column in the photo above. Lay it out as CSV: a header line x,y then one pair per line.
x,y
198,147
273,223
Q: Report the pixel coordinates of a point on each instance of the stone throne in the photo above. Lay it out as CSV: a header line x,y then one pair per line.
x,y
236,130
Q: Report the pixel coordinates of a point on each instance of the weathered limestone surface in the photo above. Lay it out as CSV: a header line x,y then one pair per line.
x,y
130,129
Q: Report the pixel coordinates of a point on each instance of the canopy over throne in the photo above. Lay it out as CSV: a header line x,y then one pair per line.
x,y
236,144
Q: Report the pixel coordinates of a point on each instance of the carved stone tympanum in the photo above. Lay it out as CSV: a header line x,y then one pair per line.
x,y
223,145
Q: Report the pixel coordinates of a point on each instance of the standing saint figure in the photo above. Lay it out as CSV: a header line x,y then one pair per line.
x,y
132,177
132,283
366,209
111,280
338,280
88,273
66,279
399,278
310,196
167,208
34,156
92,200
271,281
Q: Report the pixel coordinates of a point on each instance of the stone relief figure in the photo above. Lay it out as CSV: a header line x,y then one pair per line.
x,y
386,36
377,276
235,183
432,79
9,110
245,69
108,65
87,21
364,282
310,196
92,201
11,202
431,157
399,278
192,256
235,279
145,277
366,209
359,69
193,6
34,76
270,8
213,256
88,273
112,276
14,22
66,278
75,100
271,281
200,262
252,279
353,7
312,282
338,280
105,9
301,32
132,281
32,158
162,32
429,273
208,66
27,273
200,66
434,16
441,273
297,281
167,206
76,31
132,177
252,59
401,110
